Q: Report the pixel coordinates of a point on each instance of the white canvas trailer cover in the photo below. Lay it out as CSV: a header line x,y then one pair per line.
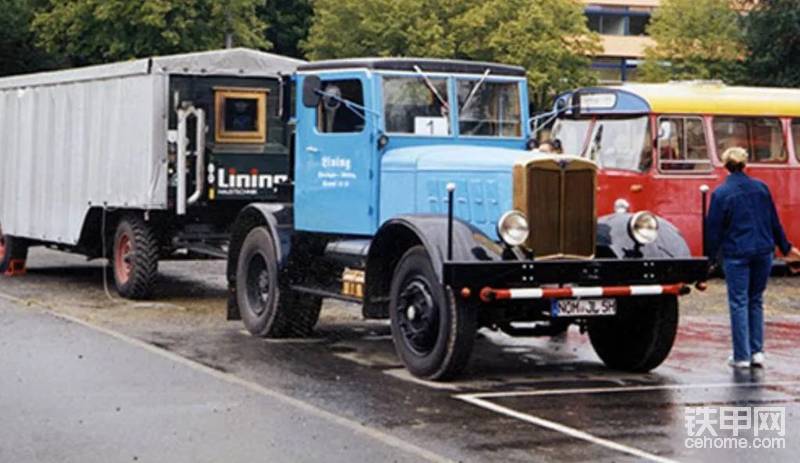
x,y
97,137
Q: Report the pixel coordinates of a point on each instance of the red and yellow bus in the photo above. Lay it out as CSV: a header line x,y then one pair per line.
x,y
657,144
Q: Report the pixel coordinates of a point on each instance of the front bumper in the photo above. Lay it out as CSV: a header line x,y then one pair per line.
x,y
553,279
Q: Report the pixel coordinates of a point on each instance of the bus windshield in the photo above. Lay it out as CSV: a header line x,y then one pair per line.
x,y
613,143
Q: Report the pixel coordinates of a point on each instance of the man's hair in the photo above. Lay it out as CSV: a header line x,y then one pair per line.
x,y
734,158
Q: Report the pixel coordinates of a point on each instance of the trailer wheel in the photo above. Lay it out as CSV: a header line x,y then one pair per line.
x,y
11,249
267,306
433,333
640,337
135,258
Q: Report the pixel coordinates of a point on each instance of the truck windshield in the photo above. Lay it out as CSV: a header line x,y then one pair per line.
x,y
492,110
613,143
411,107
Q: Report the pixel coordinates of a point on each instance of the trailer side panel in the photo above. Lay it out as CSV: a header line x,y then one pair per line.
x,y
68,147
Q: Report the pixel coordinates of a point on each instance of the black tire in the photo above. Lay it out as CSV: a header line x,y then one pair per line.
x,y
640,337
433,334
11,248
269,309
134,258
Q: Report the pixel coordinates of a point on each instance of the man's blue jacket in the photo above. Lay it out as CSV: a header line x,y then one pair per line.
x,y
742,220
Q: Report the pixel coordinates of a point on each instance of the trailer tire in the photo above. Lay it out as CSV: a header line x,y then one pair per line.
x,y
269,309
640,337
134,258
433,333
11,249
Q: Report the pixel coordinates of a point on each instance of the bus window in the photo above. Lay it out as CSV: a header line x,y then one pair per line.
x,y
796,136
762,137
622,144
682,145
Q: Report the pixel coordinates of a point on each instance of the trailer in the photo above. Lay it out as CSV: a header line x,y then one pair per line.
x,y
417,192
143,160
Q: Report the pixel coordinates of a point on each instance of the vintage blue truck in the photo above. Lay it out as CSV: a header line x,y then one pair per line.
x,y
417,191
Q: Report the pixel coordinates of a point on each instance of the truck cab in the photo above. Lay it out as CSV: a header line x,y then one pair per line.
x,y
416,192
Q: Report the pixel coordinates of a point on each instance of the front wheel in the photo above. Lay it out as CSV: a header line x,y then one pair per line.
x,y
433,333
640,337
268,307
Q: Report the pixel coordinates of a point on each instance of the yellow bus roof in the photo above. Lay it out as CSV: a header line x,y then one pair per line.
x,y
697,97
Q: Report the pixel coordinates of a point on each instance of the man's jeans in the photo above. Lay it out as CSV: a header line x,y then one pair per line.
x,y
746,278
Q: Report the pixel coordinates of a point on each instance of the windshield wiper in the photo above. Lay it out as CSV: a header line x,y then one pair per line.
x,y
474,91
430,86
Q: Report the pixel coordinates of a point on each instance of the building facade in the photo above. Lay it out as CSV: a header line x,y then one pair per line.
x,y
622,27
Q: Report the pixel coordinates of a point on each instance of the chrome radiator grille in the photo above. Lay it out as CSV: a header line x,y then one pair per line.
x,y
558,196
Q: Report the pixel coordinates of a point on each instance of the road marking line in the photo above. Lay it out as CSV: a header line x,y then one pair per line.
x,y
601,390
553,426
356,427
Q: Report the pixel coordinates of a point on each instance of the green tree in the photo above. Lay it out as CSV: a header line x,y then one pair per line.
x,y
549,38
288,21
773,39
95,31
18,51
694,39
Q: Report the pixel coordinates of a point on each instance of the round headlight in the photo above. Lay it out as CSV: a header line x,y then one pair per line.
x,y
643,227
513,228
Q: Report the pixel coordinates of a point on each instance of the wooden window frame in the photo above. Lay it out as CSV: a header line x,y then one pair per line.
x,y
230,136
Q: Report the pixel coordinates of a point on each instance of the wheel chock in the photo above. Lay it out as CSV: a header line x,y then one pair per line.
x,y
16,268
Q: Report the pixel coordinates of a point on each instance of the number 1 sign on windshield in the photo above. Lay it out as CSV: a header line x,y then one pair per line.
x,y
436,126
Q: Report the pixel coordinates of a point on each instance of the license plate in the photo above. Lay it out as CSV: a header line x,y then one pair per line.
x,y
584,307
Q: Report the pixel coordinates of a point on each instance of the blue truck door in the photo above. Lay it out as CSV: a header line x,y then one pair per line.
x,y
335,159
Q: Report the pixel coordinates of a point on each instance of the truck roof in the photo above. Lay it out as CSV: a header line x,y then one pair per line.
x,y
407,64
242,62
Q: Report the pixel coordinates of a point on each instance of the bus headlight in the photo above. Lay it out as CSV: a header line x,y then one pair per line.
x,y
512,228
643,227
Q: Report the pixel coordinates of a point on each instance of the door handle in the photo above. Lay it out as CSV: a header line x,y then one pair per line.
x,y
312,149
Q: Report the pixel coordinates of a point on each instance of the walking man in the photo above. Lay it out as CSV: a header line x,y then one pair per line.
x,y
743,229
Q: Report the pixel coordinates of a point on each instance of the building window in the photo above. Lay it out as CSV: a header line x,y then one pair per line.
x,y
617,21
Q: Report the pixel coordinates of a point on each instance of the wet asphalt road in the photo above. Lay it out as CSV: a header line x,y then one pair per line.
x,y
191,386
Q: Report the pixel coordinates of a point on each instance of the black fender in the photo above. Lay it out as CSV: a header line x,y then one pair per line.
x,y
279,220
614,240
399,234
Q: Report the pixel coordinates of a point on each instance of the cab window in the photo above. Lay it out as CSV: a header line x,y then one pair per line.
x,y
796,137
410,106
762,137
333,115
489,108
682,145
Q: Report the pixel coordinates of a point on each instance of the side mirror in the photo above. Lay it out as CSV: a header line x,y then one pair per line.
x,y
311,88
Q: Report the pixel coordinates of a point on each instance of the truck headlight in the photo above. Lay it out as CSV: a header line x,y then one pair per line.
x,y
643,227
512,228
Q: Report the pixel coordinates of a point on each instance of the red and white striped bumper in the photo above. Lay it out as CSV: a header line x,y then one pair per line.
x,y
494,294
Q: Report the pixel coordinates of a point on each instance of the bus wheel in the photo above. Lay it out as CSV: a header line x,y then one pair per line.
x,y
269,308
433,334
135,258
11,249
640,337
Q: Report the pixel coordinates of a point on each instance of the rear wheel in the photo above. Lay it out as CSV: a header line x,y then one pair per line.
x,y
267,306
432,332
640,337
11,249
135,258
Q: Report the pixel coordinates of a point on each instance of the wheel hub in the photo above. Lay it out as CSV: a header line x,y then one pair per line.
x,y
258,284
418,316
123,258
